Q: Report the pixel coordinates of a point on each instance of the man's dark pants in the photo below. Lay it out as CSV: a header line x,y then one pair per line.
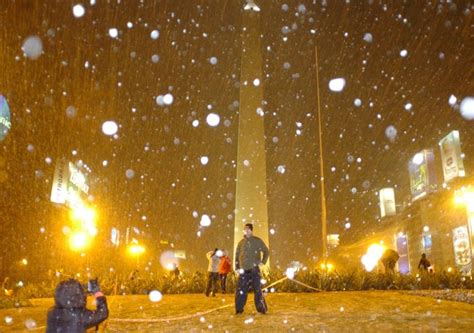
x,y
247,278
212,278
223,278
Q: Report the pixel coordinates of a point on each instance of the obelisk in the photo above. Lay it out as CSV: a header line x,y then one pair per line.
x,y
251,187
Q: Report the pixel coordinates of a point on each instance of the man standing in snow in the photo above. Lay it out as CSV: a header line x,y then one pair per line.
x,y
212,272
248,260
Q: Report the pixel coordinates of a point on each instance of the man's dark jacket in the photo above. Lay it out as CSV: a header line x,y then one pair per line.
x,y
70,314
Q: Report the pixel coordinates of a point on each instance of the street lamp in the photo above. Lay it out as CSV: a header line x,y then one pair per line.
x,y
136,249
79,241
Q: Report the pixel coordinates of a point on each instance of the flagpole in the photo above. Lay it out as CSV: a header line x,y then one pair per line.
x,y
321,166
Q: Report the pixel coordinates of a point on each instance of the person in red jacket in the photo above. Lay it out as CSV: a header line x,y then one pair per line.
x,y
224,269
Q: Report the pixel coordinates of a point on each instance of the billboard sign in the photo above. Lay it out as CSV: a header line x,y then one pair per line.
x,y
462,250
5,122
333,240
451,159
115,236
387,202
59,190
180,254
402,249
422,174
69,184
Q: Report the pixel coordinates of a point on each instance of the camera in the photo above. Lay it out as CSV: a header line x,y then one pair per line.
x,y
93,286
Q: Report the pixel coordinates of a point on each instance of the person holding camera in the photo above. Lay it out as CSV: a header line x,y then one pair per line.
x,y
212,272
70,314
248,261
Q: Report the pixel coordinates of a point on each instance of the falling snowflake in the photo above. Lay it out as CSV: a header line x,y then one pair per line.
x,y
78,10
204,160
290,273
391,133
109,127
32,47
155,34
337,85
130,173
168,99
155,296
113,32
368,37
71,111
467,108
452,100
281,169
213,119
205,221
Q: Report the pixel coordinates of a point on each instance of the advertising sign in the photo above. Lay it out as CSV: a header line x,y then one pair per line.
x,y
427,243
180,254
69,184
453,165
115,236
402,249
5,123
59,190
422,174
387,202
333,240
462,250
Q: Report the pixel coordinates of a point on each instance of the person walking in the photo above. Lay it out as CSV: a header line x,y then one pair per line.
x,y
424,264
224,268
212,272
248,261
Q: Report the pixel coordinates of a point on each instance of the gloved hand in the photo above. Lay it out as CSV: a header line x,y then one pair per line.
x,y
93,286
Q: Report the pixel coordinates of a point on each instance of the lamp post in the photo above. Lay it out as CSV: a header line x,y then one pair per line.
x,y
321,169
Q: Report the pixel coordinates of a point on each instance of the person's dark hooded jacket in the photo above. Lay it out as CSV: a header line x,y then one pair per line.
x,y
70,314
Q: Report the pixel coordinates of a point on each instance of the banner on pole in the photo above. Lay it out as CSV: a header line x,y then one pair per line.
x,y
451,159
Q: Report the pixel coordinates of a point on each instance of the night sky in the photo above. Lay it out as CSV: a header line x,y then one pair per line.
x,y
150,175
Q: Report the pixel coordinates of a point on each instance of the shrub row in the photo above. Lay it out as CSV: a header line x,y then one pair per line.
x,y
115,284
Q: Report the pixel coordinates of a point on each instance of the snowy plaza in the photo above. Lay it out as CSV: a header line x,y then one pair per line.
x,y
236,165
373,311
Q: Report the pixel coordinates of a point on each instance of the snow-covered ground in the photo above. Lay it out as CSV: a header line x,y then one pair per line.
x,y
368,311
447,294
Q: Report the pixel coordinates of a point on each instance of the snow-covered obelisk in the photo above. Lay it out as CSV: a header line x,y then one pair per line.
x,y
251,188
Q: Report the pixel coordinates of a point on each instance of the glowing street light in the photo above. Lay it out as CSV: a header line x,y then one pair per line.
x,y
465,196
83,214
79,241
372,257
136,249
328,267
